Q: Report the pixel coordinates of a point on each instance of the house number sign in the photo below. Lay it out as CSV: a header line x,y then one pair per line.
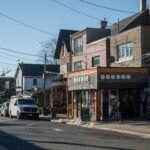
x,y
117,76
83,78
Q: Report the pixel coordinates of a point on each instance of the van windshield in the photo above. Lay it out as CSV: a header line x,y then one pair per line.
x,y
26,102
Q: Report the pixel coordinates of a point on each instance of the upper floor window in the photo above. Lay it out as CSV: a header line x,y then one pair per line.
x,y
78,65
78,46
68,67
63,50
34,82
95,61
125,52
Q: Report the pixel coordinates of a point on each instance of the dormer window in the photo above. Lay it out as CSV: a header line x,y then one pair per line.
x,y
78,46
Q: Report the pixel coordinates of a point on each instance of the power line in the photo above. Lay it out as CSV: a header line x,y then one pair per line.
x,y
27,25
12,56
109,8
75,10
5,49
7,63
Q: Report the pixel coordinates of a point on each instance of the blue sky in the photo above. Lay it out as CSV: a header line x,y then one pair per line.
x,y
51,17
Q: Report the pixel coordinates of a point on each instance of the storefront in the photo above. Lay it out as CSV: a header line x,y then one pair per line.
x,y
96,93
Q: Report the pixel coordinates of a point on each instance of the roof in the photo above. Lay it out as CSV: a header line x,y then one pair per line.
x,y
37,69
130,22
64,36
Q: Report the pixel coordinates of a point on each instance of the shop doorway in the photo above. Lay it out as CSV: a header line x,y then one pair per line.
x,y
131,103
109,104
104,104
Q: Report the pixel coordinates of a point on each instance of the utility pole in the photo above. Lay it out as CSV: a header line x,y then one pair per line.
x,y
45,78
22,79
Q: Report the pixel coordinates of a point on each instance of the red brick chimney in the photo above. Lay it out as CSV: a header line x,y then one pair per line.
x,y
143,4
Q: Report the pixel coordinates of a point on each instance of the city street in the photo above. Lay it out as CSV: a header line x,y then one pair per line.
x,y
45,135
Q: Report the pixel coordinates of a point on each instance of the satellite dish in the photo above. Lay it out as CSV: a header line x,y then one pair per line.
x,y
112,59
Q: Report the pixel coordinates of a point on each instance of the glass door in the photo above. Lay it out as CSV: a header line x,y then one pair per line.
x,y
113,104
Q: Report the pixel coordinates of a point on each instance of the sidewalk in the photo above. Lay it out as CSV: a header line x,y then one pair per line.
x,y
137,128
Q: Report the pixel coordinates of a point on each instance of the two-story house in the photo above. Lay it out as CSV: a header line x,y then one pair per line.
x,y
63,53
30,77
120,75
90,50
130,47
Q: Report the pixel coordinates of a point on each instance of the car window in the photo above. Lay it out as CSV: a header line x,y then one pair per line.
x,y
26,102
7,104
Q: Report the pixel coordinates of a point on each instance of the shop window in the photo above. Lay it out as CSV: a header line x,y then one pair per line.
x,y
78,65
125,52
78,46
34,82
95,61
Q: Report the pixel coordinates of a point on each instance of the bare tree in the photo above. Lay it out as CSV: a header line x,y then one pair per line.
x,y
48,48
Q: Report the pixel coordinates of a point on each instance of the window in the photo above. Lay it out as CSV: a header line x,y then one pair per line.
x,y
34,82
78,46
68,67
78,65
96,61
63,50
125,52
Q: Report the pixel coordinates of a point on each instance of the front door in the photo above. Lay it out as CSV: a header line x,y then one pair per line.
x,y
113,104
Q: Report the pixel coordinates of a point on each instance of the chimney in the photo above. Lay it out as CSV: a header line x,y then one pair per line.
x,y
103,24
143,5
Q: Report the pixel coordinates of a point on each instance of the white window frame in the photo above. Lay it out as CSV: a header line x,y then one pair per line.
x,y
78,46
78,68
125,52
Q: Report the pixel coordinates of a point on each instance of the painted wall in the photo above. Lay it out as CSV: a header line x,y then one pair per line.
x,y
28,83
96,48
64,59
132,35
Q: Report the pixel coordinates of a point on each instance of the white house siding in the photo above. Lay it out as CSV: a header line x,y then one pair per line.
x,y
19,80
28,83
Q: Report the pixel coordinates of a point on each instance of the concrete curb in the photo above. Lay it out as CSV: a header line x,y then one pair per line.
x,y
95,126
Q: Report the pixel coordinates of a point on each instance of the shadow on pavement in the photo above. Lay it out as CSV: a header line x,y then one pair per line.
x,y
81,145
11,142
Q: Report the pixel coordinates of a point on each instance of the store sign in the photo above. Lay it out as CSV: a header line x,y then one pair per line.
x,y
115,77
78,79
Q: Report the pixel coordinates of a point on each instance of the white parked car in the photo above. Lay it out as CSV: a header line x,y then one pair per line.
x,y
4,109
23,107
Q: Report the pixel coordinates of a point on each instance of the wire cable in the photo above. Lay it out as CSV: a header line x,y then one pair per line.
x,y
109,8
5,49
75,10
27,25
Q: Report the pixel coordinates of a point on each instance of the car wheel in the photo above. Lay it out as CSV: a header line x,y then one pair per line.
x,y
18,115
37,117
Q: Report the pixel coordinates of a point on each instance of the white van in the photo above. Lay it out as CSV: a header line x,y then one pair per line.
x,y
23,107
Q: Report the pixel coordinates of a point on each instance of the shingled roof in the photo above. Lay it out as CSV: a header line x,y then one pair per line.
x,y
64,36
137,19
37,69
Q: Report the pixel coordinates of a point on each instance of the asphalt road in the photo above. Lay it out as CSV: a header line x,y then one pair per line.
x,y
44,135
